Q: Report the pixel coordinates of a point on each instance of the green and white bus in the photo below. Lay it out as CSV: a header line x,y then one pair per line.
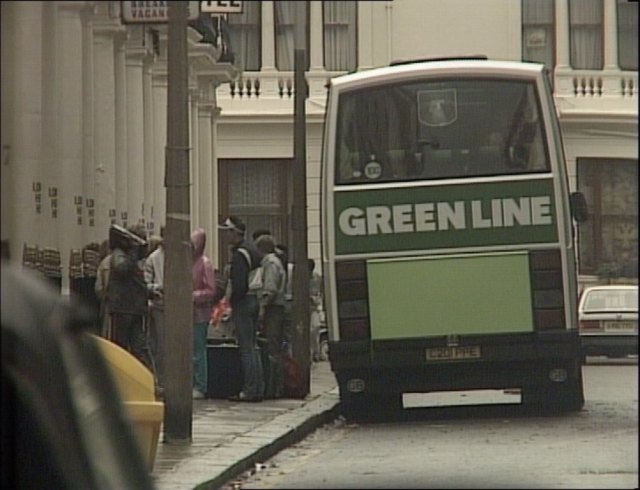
x,y
447,235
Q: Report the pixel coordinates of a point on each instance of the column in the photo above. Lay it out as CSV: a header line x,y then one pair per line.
x,y
149,162
365,35
24,153
610,35
268,73
69,131
317,75
316,45
611,87
104,124
159,81
8,60
268,37
215,189
563,79
205,200
135,123
121,130
563,41
91,233
195,178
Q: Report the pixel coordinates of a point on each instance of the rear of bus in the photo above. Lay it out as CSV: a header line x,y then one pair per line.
x,y
448,250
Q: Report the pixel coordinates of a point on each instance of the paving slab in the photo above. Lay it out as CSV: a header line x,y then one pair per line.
x,y
229,438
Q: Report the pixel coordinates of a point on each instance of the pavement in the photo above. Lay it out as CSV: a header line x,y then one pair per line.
x,y
229,438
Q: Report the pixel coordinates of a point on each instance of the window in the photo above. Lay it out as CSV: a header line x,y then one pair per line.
x,y
245,36
586,27
439,129
628,35
285,20
259,192
538,40
340,41
608,241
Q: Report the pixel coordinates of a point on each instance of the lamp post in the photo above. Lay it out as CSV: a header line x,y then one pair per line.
x,y
299,213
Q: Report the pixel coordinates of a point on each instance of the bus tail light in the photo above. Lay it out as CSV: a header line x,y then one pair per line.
x,y
353,300
589,325
547,289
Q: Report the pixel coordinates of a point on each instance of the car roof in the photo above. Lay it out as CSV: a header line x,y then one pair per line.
x,y
612,287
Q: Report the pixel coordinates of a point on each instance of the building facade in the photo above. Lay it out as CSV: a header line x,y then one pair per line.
x,y
84,111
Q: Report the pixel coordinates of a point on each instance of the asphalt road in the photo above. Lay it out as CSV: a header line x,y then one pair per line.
x,y
471,447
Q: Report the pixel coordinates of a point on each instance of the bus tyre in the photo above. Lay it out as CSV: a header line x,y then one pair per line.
x,y
367,407
552,400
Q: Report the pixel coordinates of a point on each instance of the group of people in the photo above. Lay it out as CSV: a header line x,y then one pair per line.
x,y
130,285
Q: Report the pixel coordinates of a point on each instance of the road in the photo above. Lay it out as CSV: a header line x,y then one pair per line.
x,y
475,447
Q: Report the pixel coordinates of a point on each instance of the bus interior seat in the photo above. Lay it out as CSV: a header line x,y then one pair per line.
x,y
489,160
436,163
404,163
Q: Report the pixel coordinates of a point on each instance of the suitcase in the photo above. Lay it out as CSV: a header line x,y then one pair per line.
x,y
224,371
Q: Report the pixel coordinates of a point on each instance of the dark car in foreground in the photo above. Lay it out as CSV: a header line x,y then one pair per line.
x,y
63,426
608,317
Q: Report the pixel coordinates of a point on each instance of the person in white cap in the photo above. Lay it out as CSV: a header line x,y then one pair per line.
x,y
245,258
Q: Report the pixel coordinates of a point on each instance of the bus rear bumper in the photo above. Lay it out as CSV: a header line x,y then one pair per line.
x,y
507,362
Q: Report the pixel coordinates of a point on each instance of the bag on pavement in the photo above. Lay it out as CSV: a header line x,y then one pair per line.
x,y
293,383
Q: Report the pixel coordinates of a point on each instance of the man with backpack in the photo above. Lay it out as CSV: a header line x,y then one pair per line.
x,y
245,262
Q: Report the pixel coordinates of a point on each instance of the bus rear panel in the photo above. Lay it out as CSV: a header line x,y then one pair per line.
x,y
448,251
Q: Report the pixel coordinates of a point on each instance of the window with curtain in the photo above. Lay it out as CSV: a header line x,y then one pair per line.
x,y
538,28
340,41
586,34
245,36
285,22
259,192
608,241
628,35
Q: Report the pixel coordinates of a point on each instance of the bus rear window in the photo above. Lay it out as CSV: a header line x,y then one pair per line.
x,y
439,129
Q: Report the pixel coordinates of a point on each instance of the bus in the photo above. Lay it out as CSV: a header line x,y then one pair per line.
x,y
447,233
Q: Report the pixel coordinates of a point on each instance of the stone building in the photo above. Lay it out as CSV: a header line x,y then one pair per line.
x,y
84,110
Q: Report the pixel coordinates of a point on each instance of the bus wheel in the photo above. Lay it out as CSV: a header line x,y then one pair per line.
x,y
367,407
552,400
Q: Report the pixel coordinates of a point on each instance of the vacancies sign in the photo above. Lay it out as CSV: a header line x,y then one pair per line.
x,y
451,216
151,12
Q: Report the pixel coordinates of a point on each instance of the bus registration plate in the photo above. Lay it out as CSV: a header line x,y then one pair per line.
x,y
453,353
619,327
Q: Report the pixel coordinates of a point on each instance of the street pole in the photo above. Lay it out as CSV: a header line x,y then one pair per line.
x,y
178,259
301,344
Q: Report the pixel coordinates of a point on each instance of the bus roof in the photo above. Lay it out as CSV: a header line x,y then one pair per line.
x,y
448,67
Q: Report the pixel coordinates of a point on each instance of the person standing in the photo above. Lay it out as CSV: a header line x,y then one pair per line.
x,y
204,292
245,258
283,254
154,277
127,292
271,314
100,287
315,307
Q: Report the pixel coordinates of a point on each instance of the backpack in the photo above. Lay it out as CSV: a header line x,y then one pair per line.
x,y
255,272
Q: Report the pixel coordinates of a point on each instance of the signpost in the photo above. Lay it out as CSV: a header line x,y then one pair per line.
x,y
177,280
300,253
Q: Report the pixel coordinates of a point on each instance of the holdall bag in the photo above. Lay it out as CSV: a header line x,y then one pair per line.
x,y
293,383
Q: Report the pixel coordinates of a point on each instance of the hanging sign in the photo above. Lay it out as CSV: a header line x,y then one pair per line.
x,y
221,7
147,12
